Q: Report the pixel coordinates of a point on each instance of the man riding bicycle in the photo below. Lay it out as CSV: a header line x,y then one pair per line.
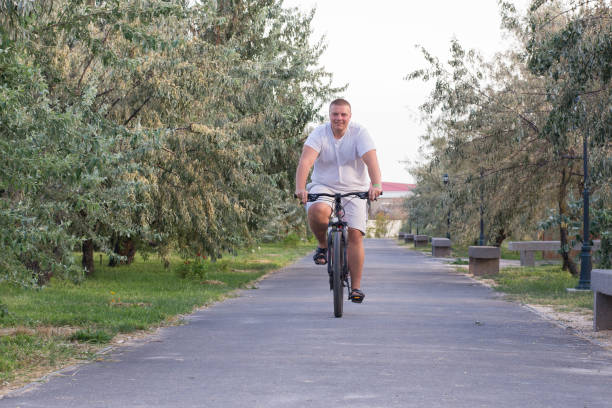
x,y
343,155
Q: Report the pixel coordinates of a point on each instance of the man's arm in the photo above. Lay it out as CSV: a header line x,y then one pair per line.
x,y
309,155
371,160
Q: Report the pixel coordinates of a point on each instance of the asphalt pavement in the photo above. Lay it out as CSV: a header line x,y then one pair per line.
x,y
425,336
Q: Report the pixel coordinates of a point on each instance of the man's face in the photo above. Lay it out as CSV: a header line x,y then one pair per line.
x,y
339,116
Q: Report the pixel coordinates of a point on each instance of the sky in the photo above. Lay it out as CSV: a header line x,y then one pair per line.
x,y
371,47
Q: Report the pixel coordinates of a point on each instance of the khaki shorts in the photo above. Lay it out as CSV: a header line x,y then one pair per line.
x,y
355,209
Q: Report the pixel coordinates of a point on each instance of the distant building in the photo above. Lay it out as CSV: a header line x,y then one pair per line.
x,y
391,203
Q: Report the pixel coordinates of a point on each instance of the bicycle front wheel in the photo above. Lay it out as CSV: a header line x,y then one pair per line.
x,y
338,262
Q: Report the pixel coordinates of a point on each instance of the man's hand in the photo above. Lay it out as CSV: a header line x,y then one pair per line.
x,y
375,191
302,195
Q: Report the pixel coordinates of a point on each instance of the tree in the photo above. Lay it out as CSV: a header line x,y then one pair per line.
x,y
512,127
153,126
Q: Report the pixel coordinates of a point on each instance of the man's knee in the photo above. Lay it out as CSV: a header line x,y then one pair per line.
x,y
319,212
355,236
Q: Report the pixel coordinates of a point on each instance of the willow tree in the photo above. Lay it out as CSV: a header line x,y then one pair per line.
x,y
570,47
165,124
250,84
511,129
57,188
483,131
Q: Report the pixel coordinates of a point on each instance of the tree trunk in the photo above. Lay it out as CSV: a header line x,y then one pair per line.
x,y
123,247
568,263
42,277
500,237
88,257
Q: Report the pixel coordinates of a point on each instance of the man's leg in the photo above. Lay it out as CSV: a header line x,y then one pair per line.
x,y
355,256
318,219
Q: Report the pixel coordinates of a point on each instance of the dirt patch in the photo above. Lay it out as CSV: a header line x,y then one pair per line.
x,y
212,282
129,304
44,331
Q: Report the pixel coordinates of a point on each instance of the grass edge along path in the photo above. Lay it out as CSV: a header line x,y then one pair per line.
x,y
65,324
544,285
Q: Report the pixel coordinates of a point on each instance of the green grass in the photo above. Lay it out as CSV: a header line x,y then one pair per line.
x,y
27,352
91,336
122,299
542,285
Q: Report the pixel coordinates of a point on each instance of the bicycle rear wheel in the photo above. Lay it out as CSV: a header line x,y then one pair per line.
x,y
338,261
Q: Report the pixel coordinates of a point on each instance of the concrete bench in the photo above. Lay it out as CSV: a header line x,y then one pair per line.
x,y
484,260
440,247
601,283
408,238
400,236
421,240
528,249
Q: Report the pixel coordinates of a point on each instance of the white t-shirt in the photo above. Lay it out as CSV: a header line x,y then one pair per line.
x,y
339,165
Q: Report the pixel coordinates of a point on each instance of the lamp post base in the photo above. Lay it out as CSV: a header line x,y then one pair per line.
x,y
578,290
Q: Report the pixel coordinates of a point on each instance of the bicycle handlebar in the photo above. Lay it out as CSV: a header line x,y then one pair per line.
x,y
314,196
361,194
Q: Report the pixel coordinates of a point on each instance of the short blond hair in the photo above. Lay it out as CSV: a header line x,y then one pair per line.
x,y
340,101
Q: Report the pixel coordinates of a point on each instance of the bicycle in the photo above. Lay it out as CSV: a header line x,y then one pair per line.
x,y
337,243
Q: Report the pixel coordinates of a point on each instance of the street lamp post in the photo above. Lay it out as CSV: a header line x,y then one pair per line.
x,y
445,180
411,217
481,240
585,255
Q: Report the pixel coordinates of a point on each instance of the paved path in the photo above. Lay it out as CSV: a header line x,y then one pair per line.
x,y
425,337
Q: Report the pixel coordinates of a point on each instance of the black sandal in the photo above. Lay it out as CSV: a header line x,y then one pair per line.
x,y
320,256
357,296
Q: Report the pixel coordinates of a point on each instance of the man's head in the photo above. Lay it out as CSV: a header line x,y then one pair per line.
x,y
339,116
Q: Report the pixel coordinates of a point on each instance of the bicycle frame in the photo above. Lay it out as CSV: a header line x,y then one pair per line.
x,y
336,224
337,243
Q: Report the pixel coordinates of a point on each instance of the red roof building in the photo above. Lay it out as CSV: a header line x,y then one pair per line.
x,y
391,203
390,186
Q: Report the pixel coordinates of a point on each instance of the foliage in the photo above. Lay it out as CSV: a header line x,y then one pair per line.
x,y
381,225
166,124
508,131
91,336
479,136
54,180
572,49
600,226
199,268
